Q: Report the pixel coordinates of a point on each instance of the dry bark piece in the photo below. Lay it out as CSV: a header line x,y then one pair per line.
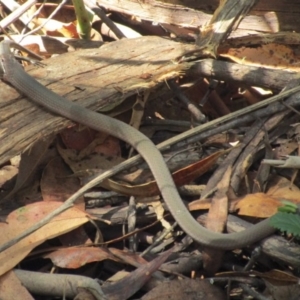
x,y
264,17
97,78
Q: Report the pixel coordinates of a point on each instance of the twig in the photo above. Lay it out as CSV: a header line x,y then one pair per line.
x,y
46,21
101,14
58,284
194,110
16,14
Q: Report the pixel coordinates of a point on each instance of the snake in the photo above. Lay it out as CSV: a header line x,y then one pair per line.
x,y
13,73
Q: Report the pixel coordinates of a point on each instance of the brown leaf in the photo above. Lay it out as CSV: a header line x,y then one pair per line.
x,y
218,210
181,177
281,187
12,288
76,257
216,221
257,205
277,277
23,218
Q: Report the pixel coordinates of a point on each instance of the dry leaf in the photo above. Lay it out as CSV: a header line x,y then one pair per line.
x,y
12,288
25,217
258,205
73,258
283,188
271,55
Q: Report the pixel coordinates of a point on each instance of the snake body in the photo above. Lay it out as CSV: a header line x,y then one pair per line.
x,y
13,73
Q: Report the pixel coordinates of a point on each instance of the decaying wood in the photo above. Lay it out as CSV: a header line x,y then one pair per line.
x,y
265,17
97,78
243,74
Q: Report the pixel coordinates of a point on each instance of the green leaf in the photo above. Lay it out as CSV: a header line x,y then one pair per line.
x,y
287,222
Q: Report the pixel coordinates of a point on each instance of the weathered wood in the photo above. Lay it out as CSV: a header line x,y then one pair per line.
x,y
227,16
96,78
286,13
265,17
274,79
